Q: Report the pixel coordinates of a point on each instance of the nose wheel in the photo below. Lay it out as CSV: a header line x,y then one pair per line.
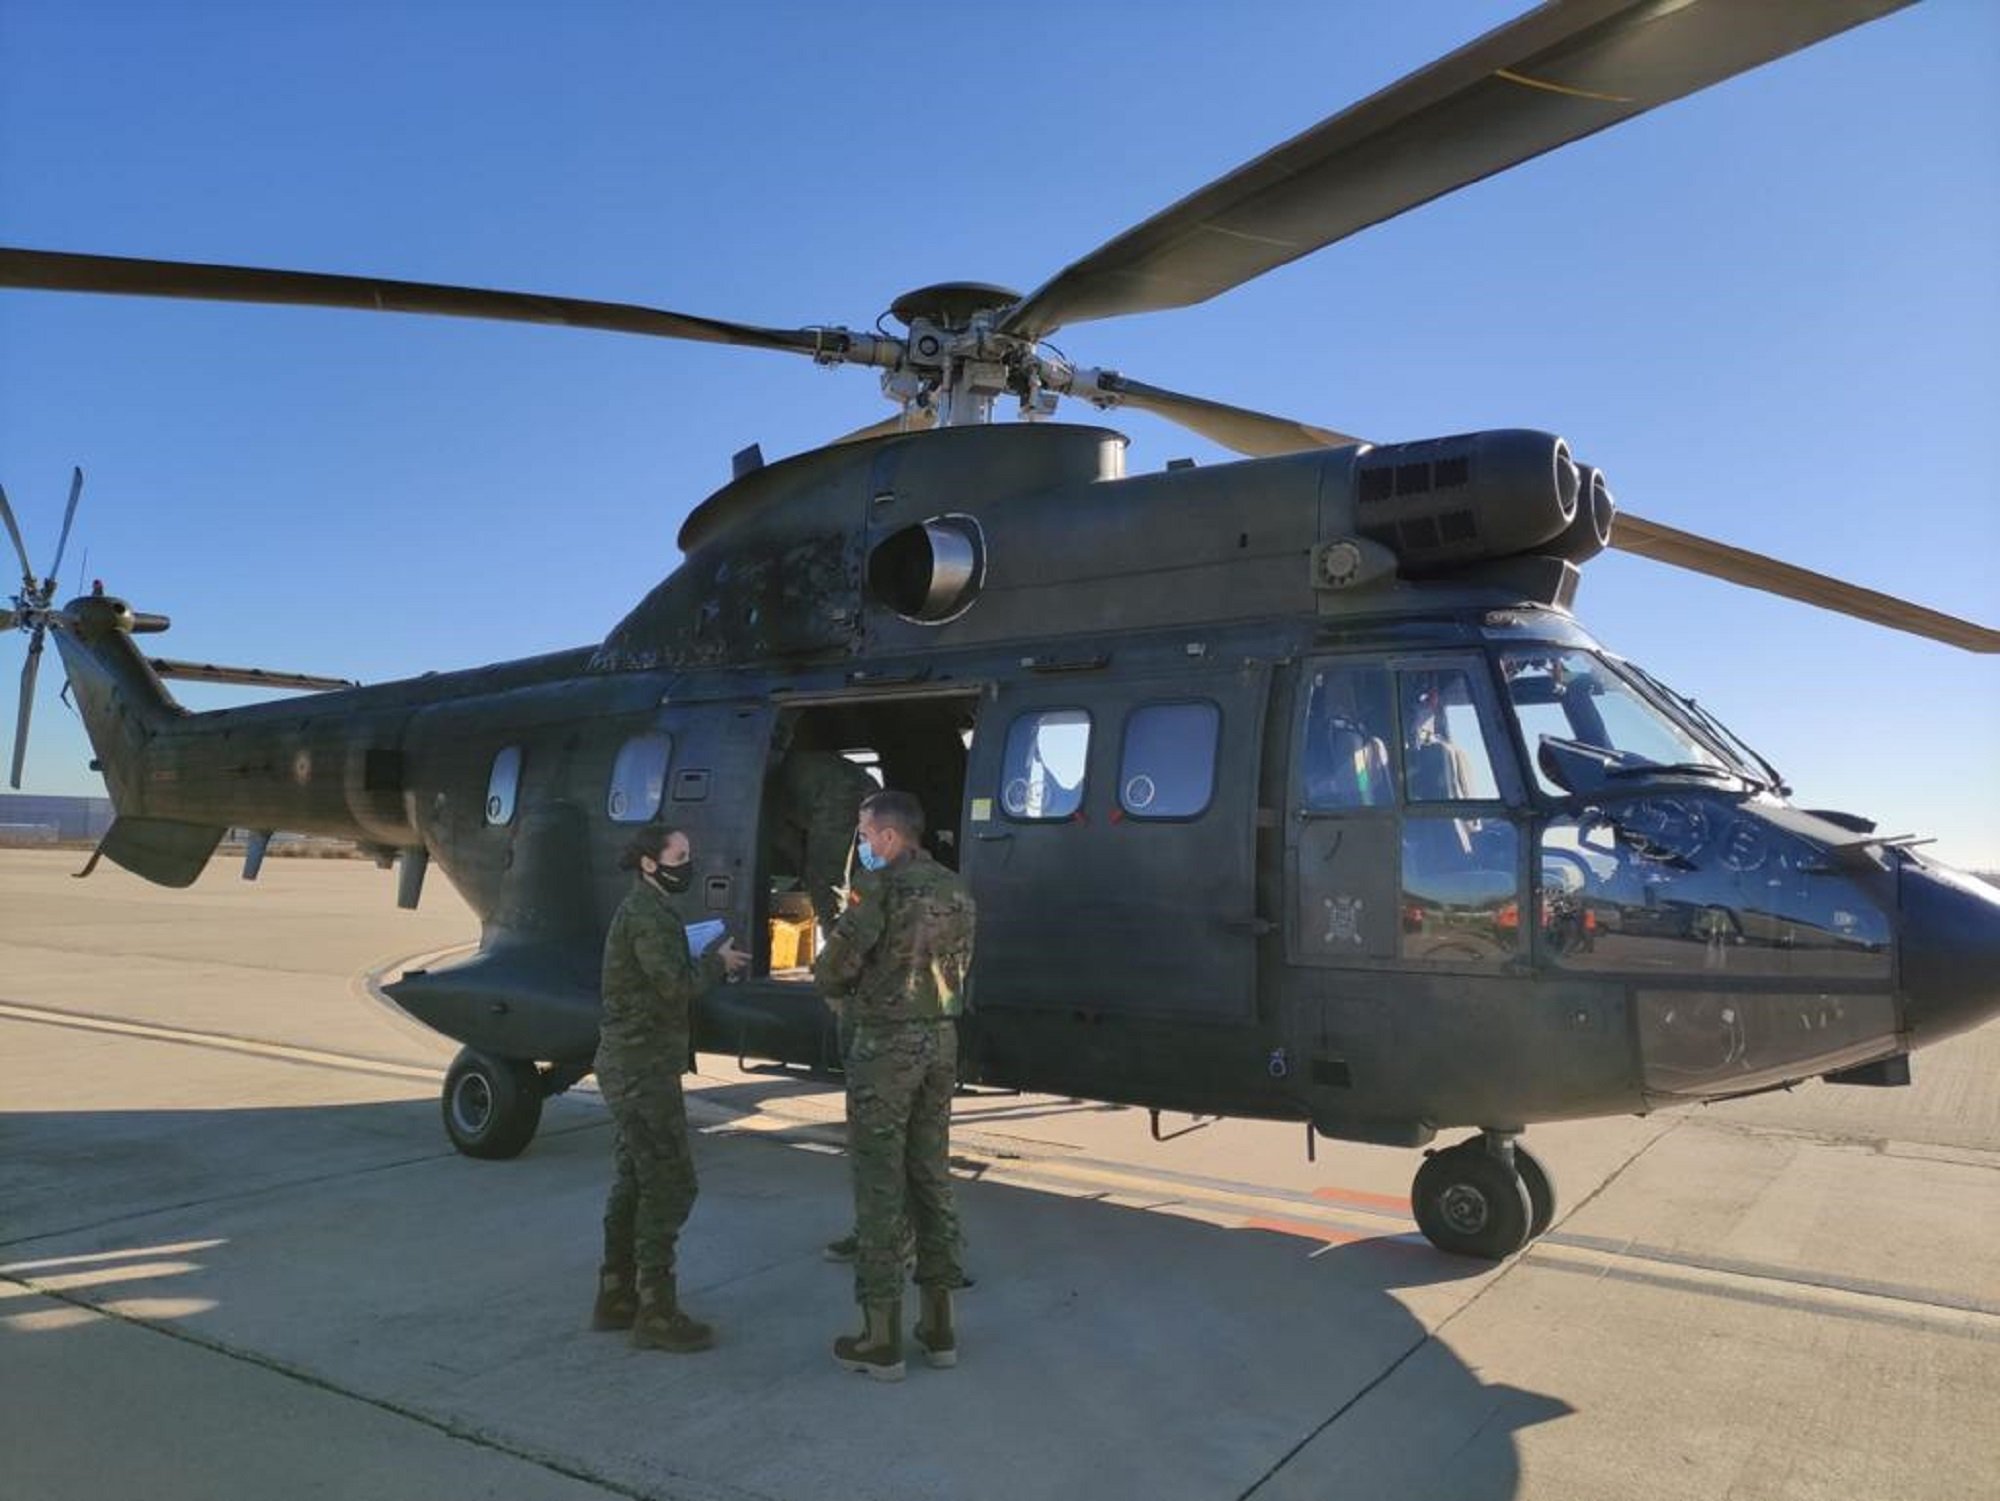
x,y
1486,1197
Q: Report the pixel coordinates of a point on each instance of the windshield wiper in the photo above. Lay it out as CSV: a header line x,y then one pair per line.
x,y
1681,768
1735,744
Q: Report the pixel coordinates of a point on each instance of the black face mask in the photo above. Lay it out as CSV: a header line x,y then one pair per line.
x,y
674,878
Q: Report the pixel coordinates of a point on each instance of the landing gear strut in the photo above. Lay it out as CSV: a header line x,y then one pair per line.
x,y
1487,1197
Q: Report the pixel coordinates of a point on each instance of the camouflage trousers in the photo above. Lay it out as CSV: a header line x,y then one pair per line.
x,y
653,1184
899,1086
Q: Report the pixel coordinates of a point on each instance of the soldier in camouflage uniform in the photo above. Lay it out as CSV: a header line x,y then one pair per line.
x,y
896,966
816,795
650,983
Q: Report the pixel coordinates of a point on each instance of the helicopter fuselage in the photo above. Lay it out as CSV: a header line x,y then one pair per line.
x,y
1272,806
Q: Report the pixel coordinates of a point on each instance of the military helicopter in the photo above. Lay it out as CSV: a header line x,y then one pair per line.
x,y
1289,788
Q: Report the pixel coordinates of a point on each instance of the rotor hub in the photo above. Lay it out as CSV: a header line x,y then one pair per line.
x,y
951,304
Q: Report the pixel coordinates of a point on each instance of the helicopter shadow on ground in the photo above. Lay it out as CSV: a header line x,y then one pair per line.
x,y
1146,1354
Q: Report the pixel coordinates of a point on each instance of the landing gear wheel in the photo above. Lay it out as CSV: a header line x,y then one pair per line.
x,y
1470,1203
491,1105
1541,1190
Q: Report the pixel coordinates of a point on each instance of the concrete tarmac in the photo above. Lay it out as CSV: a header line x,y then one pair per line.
x,y
238,1259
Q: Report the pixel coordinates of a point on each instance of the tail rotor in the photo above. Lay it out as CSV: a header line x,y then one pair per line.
x,y
33,610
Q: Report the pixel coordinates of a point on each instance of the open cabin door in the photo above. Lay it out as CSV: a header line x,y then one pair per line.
x,y
1110,840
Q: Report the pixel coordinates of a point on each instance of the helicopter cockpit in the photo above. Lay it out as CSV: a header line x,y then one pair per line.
x,y
1672,852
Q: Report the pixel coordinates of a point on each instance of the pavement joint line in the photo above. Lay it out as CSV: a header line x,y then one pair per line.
x,y
279,1186
284,1052
1801,1277
1927,1318
445,1426
1880,1146
188,961
1335,1416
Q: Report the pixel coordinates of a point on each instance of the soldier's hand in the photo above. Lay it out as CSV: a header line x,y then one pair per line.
x,y
734,960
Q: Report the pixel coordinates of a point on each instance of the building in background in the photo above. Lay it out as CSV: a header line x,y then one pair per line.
x,y
28,819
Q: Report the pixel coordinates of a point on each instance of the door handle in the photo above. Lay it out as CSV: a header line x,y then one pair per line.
x,y
995,837
1256,927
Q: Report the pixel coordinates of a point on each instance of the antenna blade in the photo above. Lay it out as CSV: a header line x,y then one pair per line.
x,y
69,515
1753,570
29,672
61,271
20,547
1561,72
1259,434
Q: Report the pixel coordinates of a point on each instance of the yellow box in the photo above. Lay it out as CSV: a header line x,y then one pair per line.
x,y
791,943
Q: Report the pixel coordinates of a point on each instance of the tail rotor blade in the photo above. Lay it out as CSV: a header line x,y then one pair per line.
x,y
69,515
14,531
28,675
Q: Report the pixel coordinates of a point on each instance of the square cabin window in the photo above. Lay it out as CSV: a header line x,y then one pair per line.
x,y
503,785
639,778
1168,768
1041,773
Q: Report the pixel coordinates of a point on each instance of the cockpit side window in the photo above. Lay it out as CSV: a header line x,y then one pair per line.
x,y
1344,759
1444,752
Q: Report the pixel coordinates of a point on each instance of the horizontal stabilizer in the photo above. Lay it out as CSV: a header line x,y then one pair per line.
x,y
252,677
162,850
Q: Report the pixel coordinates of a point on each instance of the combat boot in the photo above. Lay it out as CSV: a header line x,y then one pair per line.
x,y
617,1298
934,1329
877,1350
662,1324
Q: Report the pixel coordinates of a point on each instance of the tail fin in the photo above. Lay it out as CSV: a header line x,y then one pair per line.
x,y
123,702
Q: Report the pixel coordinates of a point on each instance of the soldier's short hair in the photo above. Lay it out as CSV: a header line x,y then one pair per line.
x,y
646,844
899,810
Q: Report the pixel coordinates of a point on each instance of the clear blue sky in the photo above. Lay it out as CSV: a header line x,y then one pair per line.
x,y
1770,312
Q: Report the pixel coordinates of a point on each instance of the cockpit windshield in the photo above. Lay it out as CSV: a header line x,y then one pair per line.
x,y
1565,694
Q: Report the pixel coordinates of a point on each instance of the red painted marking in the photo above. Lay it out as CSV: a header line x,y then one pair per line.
x,y
1362,1200
1305,1230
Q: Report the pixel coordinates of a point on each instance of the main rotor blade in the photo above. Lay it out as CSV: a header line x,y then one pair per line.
x,y
61,271
29,672
20,547
69,515
1736,565
1256,433
1563,71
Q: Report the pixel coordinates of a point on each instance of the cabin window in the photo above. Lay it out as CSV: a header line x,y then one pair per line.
x,y
1041,772
503,785
1168,766
639,778
1444,752
1344,761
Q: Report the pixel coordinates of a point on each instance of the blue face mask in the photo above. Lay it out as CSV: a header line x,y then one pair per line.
x,y
865,852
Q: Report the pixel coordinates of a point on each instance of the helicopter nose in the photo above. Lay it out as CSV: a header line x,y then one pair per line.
x,y
1951,952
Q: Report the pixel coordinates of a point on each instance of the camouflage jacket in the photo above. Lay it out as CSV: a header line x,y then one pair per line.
x,y
902,949
650,983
